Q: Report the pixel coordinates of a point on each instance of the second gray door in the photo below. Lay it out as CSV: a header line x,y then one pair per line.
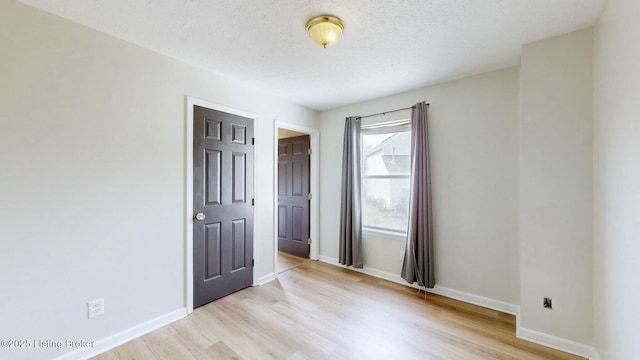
x,y
293,195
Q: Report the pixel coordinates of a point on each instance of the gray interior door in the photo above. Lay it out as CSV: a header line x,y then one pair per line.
x,y
293,195
222,200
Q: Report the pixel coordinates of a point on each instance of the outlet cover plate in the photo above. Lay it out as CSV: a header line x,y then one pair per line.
x,y
95,308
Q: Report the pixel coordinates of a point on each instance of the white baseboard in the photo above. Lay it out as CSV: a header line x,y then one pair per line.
x,y
557,343
328,260
265,279
122,337
479,300
439,290
523,333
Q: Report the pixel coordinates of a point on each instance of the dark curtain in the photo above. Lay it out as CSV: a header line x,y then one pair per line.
x,y
418,258
350,211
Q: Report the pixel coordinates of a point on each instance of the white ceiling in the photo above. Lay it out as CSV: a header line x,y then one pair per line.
x,y
387,46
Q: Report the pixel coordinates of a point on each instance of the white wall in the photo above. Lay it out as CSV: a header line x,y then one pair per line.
x,y
92,180
617,245
556,185
473,132
92,149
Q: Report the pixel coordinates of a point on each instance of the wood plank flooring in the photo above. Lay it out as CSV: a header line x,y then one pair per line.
x,y
320,311
287,262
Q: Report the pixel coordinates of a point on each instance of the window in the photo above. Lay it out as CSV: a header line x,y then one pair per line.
x,y
386,158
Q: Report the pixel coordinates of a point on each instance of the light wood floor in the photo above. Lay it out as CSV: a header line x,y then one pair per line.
x,y
287,262
320,311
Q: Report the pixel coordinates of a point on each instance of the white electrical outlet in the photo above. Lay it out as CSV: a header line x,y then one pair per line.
x,y
95,307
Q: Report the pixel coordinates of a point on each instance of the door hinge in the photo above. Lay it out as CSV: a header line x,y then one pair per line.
x,y
309,151
309,241
253,202
253,262
253,141
310,196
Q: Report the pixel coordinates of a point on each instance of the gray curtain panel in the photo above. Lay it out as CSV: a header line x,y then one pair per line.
x,y
418,258
350,211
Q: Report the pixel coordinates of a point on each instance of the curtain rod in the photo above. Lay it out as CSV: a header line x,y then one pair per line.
x,y
387,112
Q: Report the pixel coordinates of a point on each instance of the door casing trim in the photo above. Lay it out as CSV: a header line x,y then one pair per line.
x,y
188,178
314,188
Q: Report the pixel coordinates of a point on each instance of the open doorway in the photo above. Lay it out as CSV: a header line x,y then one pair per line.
x,y
284,152
294,193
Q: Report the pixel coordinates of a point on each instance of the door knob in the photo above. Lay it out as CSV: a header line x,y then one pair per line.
x,y
200,216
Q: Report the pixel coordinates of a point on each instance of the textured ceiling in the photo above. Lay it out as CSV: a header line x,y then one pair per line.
x,y
387,46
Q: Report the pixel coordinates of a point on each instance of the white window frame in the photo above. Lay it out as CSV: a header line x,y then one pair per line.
x,y
384,128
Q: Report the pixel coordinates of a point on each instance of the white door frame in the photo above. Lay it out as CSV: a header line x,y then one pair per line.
x,y
188,178
314,188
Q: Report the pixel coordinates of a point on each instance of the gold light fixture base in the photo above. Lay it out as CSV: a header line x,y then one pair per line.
x,y
325,29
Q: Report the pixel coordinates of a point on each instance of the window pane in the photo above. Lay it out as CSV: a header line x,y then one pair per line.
x,y
386,154
385,203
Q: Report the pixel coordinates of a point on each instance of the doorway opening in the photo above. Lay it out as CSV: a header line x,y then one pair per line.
x,y
284,130
294,194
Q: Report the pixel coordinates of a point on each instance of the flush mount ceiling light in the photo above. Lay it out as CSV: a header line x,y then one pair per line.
x,y
325,29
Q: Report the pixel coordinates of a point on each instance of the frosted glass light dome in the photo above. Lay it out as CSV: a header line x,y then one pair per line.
x,y
325,29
